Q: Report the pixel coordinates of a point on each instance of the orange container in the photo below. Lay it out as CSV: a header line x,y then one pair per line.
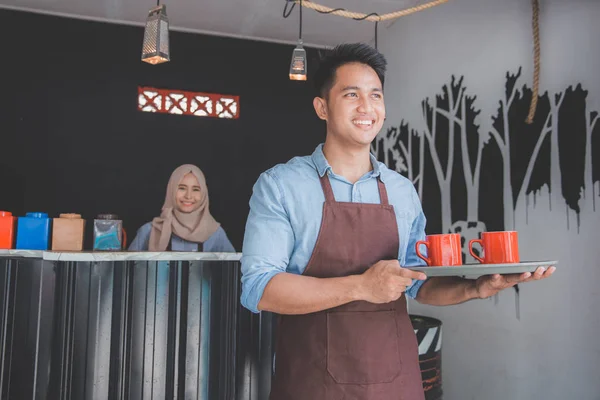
x,y
7,230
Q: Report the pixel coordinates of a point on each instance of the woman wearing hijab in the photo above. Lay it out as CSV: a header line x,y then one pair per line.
x,y
185,223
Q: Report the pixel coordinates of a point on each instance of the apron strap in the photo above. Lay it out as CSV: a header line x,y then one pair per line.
x,y
328,191
382,192
326,185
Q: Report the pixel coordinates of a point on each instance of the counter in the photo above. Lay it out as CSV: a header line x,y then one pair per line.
x,y
129,325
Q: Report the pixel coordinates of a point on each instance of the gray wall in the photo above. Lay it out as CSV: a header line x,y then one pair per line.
x,y
551,350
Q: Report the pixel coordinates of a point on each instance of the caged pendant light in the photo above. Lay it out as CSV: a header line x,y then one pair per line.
x,y
298,64
155,49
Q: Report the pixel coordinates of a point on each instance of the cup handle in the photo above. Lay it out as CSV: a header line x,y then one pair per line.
x,y
471,242
124,246
420,242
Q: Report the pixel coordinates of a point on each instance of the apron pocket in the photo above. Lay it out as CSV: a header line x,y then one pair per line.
x,y
362,347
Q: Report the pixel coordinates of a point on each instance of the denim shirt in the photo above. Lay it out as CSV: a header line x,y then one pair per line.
x,y
286,209
216,243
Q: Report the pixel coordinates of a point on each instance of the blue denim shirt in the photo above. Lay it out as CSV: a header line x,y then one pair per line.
x,y
286,208
216,243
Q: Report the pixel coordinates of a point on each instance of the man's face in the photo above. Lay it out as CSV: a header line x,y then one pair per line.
x,y
354,109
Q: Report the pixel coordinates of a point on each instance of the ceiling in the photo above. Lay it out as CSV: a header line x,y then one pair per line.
x,y
254,19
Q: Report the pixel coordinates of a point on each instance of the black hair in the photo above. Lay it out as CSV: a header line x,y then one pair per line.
x,y
342,54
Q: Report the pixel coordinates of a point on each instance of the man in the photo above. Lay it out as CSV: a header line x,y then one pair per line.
x,y
325,242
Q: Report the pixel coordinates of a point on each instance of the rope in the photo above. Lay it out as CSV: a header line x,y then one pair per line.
x,y
369,17
536,61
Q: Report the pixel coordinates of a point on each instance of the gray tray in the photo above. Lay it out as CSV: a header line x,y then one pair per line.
x,y
484,269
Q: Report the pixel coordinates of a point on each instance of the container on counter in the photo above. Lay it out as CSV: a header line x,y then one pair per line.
x,y
33,231
108,233
67,233
7,230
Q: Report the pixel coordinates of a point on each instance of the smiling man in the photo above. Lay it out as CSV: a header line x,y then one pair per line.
x,y
325,242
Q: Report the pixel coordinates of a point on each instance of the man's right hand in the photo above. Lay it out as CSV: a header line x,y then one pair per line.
x,y
385,281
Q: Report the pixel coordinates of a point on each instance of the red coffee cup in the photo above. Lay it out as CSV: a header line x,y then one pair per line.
x,y
498,247
443,250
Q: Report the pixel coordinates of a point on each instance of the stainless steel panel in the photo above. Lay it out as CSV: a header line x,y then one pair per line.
x,y
129,330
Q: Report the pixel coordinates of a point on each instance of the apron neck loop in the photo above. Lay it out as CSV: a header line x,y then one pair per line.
x,y
328,191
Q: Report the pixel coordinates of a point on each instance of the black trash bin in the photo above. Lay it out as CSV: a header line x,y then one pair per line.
x,y
429,338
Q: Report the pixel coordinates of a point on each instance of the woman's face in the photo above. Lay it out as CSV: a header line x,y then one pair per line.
x,y
188,194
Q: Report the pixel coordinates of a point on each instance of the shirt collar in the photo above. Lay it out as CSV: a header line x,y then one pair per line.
x,y
323,166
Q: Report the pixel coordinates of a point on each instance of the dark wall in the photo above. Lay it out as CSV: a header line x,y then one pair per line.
x,y
72,139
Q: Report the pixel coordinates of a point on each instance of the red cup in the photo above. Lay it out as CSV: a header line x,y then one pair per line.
x,y
498,247
443,250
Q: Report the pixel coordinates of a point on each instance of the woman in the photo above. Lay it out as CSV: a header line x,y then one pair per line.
x,y
185,223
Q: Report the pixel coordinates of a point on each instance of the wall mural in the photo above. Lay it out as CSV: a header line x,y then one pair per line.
x,y
471,180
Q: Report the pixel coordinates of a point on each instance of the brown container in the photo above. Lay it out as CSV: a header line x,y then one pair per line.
x,y
67,233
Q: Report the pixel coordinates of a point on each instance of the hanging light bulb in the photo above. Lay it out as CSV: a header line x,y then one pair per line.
x,y
156,36
298,64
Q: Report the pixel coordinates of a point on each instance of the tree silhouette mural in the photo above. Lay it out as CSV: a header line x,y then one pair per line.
x,y
520,144
482,178
476,179
440,121
591,118
402,149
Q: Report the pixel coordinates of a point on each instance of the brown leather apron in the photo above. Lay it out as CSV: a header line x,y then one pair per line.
x,y
360,350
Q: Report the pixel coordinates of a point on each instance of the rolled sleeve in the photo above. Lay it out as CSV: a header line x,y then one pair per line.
x,y
417,233
268,240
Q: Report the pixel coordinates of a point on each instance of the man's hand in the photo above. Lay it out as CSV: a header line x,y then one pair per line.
x,y
490,285
385,281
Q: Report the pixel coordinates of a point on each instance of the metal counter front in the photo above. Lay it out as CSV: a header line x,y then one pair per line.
x,y
129,326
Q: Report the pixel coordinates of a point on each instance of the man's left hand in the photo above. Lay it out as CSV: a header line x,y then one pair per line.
x,y
490,285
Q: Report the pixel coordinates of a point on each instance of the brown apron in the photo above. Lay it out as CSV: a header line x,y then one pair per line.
x,y
360,350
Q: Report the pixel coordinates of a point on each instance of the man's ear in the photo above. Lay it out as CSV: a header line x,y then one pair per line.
x,y
320,105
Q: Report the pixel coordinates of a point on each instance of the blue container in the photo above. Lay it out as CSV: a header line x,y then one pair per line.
x,y
33,231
